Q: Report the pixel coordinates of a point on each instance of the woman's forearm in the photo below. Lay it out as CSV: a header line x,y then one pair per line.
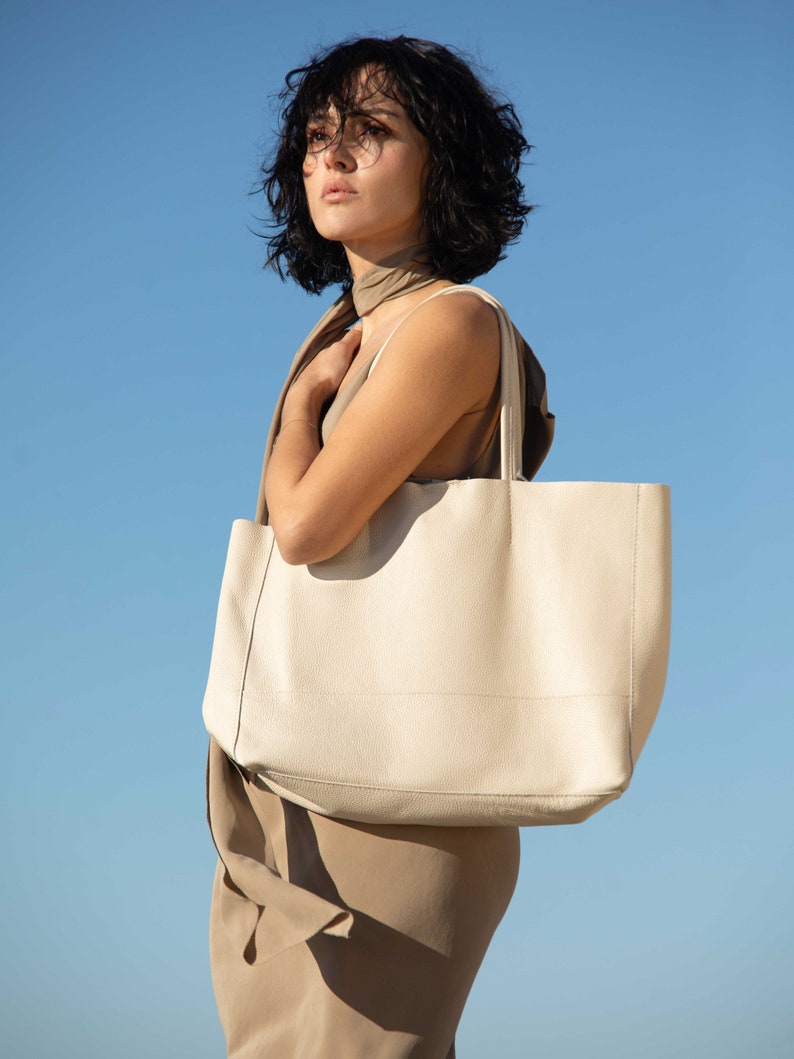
x,y
292,502
296,448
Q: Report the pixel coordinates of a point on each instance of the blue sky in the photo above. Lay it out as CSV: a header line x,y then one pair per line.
x,y
142,349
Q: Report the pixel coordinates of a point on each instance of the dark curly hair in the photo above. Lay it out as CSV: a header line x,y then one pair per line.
x,y
474,201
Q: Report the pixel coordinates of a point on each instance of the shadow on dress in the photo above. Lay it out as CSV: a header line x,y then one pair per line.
x,y
403,995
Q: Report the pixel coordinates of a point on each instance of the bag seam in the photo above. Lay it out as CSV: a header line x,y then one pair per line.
x,y
265,773
328,692
244,673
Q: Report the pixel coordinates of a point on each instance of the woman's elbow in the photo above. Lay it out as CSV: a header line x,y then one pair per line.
x,y
303,542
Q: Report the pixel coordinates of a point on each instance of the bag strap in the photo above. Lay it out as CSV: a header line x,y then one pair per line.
x,y
510,424
510,429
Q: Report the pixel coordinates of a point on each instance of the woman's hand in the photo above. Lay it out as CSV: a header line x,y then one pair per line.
x,y
437,380
320,379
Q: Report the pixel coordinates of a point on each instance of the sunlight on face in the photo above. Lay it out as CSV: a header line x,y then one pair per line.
x,y
364,169
361,132
371,114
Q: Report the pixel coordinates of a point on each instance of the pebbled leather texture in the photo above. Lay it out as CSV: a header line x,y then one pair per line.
x,y
484,652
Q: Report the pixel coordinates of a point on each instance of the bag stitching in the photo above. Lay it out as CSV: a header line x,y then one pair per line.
x,y
250,644
265,773
329,693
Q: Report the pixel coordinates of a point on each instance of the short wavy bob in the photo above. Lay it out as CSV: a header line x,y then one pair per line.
x,y
474,201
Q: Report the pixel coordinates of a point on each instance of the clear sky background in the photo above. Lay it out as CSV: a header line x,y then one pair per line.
x,y
142,350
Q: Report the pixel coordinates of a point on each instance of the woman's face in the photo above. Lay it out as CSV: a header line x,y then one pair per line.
x,y
365,181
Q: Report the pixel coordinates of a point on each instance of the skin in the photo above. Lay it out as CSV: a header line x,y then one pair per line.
x,y
432,401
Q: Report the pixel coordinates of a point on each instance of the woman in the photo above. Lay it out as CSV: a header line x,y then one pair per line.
x,y
396,173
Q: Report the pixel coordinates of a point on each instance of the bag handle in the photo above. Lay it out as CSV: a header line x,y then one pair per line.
x,y
510,419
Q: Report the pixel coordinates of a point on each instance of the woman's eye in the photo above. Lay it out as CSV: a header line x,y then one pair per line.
x,y
318,137
373,129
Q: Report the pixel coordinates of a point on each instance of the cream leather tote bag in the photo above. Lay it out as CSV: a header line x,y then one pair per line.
x,y
484,652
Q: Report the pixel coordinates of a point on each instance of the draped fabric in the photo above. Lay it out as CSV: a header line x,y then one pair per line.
x,y
353,940
330,938
396,275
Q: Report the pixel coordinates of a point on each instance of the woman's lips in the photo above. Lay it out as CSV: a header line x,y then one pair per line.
x,y
336,192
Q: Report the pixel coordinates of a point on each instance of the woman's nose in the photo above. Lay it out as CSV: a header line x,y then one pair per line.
x,y
338,155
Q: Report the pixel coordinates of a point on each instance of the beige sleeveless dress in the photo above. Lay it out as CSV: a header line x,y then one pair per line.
x,y
339,940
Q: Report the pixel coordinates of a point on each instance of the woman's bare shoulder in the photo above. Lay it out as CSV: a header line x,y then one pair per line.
x,y
459,308
456,332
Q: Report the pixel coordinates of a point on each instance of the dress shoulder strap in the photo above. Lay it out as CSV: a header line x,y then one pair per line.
x,y
444,290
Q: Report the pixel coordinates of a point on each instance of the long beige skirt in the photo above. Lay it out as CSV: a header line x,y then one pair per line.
x,y
337,940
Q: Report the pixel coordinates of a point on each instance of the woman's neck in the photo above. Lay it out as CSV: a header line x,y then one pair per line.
x,y
363,258
380,320
385,290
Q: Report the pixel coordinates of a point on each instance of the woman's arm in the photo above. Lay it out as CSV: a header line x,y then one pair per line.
x,y
441,364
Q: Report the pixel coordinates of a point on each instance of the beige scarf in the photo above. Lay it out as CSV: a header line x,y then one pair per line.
x,y
398,274
266,913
